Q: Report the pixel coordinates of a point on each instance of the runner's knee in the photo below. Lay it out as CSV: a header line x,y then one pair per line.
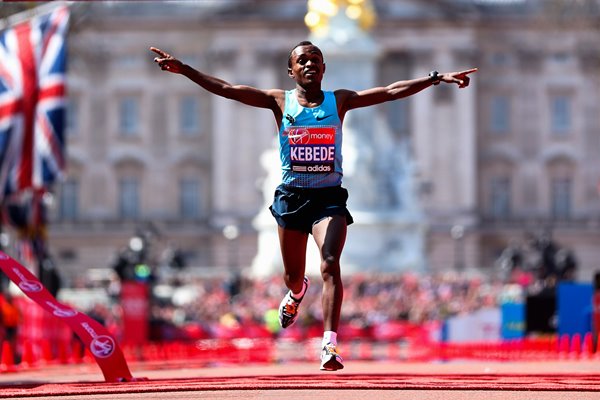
x,y
293,280
330,267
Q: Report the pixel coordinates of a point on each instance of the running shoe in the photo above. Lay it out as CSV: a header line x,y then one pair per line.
x,y
330,359
288,309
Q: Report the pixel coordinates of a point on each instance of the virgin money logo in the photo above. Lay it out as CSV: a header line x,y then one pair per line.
x,y
299,136
30,286
102,346
61,312
27,285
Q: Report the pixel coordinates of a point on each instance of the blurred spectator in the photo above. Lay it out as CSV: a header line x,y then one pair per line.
x,y
11,319
566,264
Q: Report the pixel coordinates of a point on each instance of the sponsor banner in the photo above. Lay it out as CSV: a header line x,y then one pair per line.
x,y
513,320
482,325
575,311
96,337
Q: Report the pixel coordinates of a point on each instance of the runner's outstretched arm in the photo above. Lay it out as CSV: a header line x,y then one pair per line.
x,y
397,90
249,95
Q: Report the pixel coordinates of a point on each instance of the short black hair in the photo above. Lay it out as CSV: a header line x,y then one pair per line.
x,y
302,43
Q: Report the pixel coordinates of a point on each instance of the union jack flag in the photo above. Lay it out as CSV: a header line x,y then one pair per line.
x,y
32,102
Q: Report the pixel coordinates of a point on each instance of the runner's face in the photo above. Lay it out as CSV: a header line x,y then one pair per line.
x,y
307,65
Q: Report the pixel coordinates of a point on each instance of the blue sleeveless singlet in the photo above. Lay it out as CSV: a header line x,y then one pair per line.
x,y
310,143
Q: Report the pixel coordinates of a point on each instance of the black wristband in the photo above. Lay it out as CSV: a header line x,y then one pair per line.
x,y
435,77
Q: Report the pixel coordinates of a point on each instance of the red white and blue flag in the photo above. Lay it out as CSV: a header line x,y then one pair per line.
x,y
33,102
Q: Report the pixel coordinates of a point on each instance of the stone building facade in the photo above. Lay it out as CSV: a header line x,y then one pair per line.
x,y
515,154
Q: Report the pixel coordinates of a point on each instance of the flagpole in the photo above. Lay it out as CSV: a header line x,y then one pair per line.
x,y
26,15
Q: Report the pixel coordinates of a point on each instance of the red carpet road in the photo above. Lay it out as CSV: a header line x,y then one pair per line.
x,y
568,380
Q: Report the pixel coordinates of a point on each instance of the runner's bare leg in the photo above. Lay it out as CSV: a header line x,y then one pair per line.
x,y
293,252
330,236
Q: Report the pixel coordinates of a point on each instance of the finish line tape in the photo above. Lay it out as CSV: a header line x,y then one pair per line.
x,y
96,337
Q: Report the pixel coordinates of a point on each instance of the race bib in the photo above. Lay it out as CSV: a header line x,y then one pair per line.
x,y
312,149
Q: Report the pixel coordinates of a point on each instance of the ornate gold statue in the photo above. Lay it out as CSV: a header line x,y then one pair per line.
x,y
320,11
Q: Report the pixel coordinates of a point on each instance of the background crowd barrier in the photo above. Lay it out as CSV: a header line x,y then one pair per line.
x,y
42,353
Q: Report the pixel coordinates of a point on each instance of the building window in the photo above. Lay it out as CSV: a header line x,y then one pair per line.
x,y
69,200
500,115
129,198
561,198
500,198
189,116
128,116
560,114
398,116
443,94
499,59
189,192
72,117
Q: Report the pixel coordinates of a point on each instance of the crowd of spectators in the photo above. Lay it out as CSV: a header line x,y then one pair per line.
x,y
227,305
234,306
190,308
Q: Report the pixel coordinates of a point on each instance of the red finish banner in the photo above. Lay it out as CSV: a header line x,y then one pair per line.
x,y
96,337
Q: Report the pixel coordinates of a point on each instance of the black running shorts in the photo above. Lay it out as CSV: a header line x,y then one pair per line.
x,y
299,208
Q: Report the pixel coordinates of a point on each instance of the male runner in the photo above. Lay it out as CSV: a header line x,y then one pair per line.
x,y
310,199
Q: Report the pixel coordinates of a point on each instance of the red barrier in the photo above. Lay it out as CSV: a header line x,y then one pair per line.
x,y
268,350
7,362
135,301
28,359
587,349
